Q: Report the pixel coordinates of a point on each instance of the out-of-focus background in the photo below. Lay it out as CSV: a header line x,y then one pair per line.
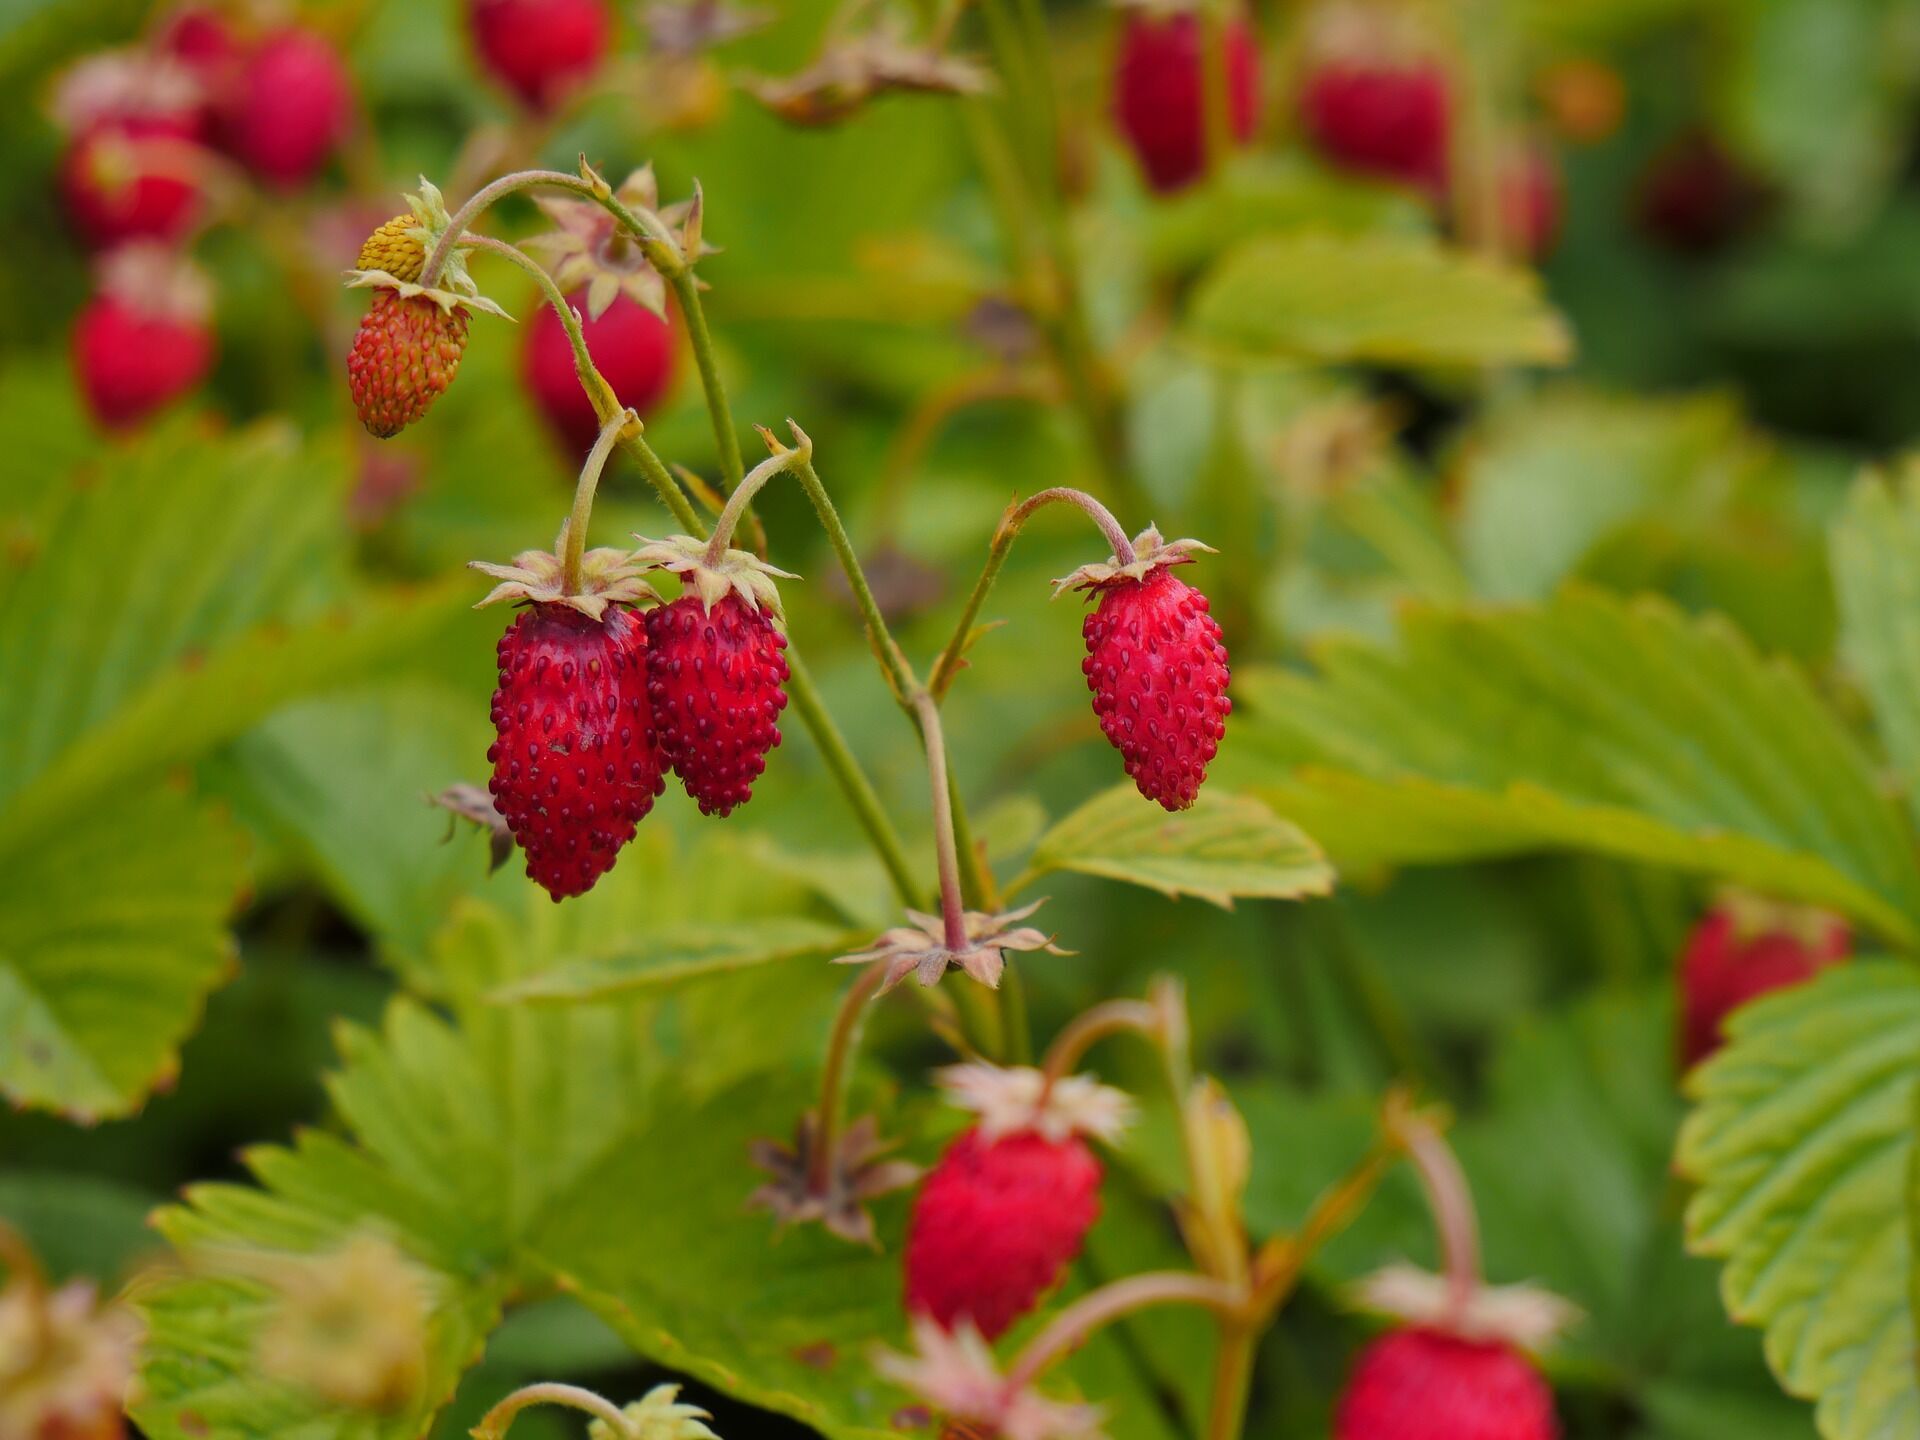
x,y
1720,201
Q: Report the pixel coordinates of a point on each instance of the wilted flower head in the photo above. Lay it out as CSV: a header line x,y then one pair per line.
x,y
854,70
591,250
955,1374
65,1360
1013,1098
921,948
686,27
833,1189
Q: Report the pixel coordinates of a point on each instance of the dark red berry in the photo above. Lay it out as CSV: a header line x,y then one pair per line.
x,y
540,49
130,360
1739,952
1385,119
1158,672
290,106
632,346
574,767
995,1223
1160,87
1427,1385
718,684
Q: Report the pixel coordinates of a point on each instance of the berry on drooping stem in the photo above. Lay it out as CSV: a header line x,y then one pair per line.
x,y
1743,948
1160,90
540,49
144,339
289,107
1373,95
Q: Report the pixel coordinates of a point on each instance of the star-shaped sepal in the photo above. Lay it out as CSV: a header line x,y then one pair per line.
x,y
836,1193
608,576
454,286
921,949
1150,553
1015,1099
1526,1317
590,249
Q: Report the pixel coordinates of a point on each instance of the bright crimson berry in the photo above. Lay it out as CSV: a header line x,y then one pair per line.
x,y
1159,93
132,179
540,49
995,1223
1744,948
632,346
717,680
406,353
143,340
1423,1384
1158,672
574,768
1381,118
201,41
289,108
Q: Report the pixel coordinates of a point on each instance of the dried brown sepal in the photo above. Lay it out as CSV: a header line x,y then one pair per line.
x,y
852,72
474,804
1527,1317
608,576
854,1174
1150,553
920,949
739,572
589,249
683,28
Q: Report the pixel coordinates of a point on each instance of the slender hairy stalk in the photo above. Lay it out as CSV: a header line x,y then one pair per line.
x,y
1232,1379
494,1424
952,912
583,493
1087,1029
1071,1327
719,414
841,1043
781,460
899,673
478,203
1451,1200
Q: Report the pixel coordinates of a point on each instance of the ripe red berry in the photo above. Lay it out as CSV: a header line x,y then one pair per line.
x,y
143,340
1743,949
717,680
1160,87
540,49
995,1223
632,346
1427,1385
1158,673
290,106
574,768
1531,198
201,42
407,351
131,179
1378,118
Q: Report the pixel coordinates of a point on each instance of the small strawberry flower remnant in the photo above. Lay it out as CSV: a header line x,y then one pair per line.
x,y
833,1189
920,949
1745,947
1159,92
348,1325
144,339
954,1372
658,1415
589,250
1156,666
65,1358
541,50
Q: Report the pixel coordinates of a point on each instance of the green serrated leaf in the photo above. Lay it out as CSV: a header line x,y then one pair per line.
x,y
1801,1143
668,956
1590,722
1376,299
1876,574
1225,846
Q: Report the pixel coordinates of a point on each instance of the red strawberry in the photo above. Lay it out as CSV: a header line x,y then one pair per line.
x,y
995,1223
407,351
1380,118
1742,949
1159,93
574,769
290,107
540,49
202,42
1531,198
717,681
632,346
1422,1384
131,167
1158,673
143,340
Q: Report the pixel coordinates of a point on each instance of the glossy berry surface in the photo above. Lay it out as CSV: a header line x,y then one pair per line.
x,y
406,353
130,362
1727,964
717,679
290,107
1159,90
540,49
1426,1385
132,179
995,1224
1389,120
1158,672
632,346
574,767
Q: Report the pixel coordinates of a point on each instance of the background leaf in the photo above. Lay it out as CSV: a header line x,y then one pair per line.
x,y
1876,571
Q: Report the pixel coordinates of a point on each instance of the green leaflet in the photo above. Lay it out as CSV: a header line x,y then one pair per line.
x,y
1876,573
1589,722
1225,846
1802,1144
1381,298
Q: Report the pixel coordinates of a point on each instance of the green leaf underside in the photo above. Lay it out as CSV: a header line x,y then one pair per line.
x,y
1801,1144
1876,575
1380,299
1589,722
1225,846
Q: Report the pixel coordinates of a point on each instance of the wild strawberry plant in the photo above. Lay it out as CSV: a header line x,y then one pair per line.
x,y
782,1008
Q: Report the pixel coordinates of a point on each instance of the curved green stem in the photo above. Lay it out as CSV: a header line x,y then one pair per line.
x,y
841,1044
583,493
495,1423
952,909
719,413
484,198
782,459
1087,1029
1071,1327
899,673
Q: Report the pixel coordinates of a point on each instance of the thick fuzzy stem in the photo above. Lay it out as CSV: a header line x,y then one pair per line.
x,y
952,911
841,1044
1071,1327
583,493
494,1425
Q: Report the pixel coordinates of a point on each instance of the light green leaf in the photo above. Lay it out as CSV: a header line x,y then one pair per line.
x,y
1876,574
1375,299
1802,1143
667,956
1225,846
1590,722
